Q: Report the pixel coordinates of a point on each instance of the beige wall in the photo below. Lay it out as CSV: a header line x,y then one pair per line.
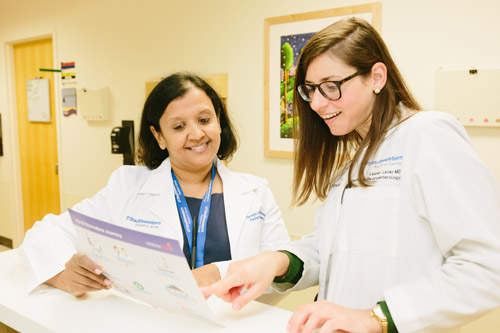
x,y
122,44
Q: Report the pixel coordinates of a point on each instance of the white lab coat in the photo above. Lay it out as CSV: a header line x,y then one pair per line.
x,y
137,193
425,238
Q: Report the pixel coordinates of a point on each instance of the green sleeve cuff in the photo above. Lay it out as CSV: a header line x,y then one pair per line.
x,y
295,269
391,327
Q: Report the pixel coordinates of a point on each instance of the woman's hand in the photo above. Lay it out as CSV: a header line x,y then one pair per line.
x,y
325,316
255,274
206,275
80,276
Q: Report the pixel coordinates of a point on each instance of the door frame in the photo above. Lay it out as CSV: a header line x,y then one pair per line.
x,y
14,131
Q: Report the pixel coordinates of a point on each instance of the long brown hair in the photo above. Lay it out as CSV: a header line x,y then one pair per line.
x,y
320,157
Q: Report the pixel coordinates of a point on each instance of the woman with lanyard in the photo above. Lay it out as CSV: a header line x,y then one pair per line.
x,y
194,231
408,236
183,190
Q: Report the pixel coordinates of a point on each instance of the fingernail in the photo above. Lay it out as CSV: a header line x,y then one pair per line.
x,y
288,327
236,306
107,282
97,271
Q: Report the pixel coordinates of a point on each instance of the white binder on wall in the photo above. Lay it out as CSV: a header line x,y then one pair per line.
x,y
93,103
472,95
38,94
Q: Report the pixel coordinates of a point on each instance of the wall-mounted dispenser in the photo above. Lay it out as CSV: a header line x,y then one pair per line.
x,y
122,141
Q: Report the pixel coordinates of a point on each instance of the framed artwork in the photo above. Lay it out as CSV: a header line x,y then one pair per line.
x,y
284,38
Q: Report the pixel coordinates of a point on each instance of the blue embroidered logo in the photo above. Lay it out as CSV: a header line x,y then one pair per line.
x,y
388,159
142,222
256,216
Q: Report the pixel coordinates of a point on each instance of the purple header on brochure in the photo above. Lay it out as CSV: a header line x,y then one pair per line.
x,y
161,244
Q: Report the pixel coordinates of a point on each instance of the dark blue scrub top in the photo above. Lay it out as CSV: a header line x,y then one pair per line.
x,y
217,246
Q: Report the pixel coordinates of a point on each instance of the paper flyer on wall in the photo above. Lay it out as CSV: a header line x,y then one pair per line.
x,y
149,268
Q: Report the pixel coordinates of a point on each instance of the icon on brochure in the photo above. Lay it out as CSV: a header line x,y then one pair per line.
x,y
167,247
138,285
177,292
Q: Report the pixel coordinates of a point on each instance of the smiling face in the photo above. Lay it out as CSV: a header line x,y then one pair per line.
x,y
190,131
352,112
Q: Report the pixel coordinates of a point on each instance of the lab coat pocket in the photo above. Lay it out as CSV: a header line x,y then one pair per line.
x,y
250,237
370,221
251,230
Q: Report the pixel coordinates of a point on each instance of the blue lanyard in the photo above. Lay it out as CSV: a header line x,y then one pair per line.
x,y
200,234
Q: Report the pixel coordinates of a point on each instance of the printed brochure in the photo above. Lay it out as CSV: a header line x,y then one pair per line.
x,y
146,267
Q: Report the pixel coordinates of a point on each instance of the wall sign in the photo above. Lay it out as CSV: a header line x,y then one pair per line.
x,y
471,95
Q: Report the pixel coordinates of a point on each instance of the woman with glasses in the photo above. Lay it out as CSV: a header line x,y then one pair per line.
x,y
408,236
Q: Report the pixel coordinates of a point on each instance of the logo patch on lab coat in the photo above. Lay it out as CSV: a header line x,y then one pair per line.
x,y
143,223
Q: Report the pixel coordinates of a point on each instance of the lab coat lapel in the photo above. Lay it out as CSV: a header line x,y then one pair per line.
x,y
164,206
238,198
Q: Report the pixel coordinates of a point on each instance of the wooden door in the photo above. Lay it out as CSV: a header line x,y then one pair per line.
x,y
37,140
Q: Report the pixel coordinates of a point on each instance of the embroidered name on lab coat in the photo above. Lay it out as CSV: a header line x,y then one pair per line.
x,y
385,169
143,223
256,216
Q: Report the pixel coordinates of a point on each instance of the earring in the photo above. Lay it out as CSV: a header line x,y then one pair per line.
x,y
376,91
161,147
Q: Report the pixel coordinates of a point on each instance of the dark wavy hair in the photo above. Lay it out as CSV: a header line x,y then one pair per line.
x,y
170,88
321,157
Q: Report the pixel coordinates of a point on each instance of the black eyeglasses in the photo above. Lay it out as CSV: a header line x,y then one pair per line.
x,y
329,89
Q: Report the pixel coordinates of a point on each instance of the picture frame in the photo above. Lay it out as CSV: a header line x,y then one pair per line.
x,y
294,30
